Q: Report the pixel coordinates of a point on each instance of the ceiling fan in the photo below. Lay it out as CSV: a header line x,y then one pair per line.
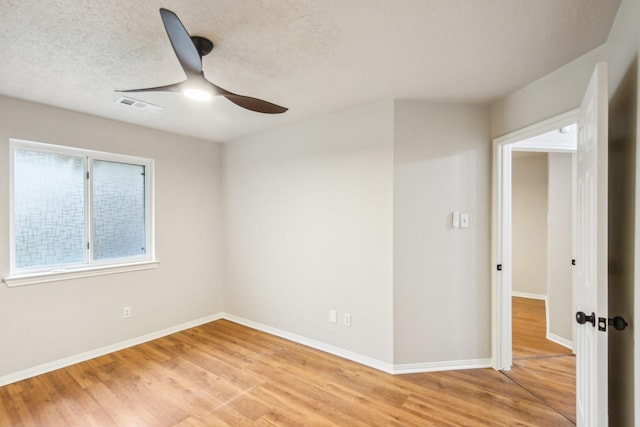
x,y
190,50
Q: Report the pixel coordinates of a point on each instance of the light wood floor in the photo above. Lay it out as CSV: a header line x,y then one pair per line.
x,y
546,369
529,325
224,374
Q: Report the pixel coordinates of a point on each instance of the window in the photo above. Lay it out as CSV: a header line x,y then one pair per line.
x,y
76,210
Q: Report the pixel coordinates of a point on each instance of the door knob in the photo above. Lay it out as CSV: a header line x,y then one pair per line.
x,y
618,322
582,318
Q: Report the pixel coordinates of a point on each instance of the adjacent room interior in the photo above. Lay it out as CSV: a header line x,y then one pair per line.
x,y
543,216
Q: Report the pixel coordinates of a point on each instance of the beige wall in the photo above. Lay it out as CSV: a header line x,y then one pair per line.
x,y
529,182
309,227
47,322
441,275
351,211
560,297
622,225
624,245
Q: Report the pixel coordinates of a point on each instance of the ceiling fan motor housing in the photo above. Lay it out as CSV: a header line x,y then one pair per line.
x,y
203,45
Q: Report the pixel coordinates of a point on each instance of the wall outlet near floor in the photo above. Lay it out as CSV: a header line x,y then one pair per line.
x,y
333,316
347,319
126,312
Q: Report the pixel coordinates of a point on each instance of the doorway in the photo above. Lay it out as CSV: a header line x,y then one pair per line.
x,y
542,244
542,325
502,226
533,327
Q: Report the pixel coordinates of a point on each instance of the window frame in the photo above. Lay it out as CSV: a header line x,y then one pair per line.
x,y
90,266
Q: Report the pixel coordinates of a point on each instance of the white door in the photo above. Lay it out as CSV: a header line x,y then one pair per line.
x,y
591,257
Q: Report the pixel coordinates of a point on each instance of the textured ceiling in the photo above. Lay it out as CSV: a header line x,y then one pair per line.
x,y
311,56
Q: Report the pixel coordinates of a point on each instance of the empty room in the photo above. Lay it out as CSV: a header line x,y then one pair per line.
x,y
226,213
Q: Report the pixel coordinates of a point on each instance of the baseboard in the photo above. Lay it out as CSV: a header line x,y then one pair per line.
x,y
72,360
528,295
318,345
449,365
363,360
559,340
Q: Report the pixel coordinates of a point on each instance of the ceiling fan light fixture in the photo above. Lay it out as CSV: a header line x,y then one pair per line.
x,y
189,50
197,94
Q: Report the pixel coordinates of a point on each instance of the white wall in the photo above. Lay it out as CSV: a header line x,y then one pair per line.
x,y
550,96
529,224
623,43
441,275
47,322
309,228
560,297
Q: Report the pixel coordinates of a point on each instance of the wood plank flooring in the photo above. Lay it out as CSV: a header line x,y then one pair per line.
x,y
529,326
546,369
224,374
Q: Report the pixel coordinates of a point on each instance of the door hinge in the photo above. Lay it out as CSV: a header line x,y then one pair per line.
x,y
499,267
87,245
573,262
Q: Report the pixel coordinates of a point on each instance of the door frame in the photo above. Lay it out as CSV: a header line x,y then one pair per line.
x,y
501,221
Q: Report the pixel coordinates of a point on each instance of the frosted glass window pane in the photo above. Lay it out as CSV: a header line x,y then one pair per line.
x,y
118,210
49,212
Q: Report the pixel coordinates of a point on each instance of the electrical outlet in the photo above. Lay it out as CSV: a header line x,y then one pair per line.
x,y
126,312
333,316
347,319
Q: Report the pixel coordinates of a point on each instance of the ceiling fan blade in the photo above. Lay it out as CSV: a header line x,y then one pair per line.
x,y
255,104
176,87
182,44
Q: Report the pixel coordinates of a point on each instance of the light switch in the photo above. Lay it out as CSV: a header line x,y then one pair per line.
x,y
464,220
455,222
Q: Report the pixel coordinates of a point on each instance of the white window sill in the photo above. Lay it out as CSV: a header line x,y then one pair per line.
x,y
50,276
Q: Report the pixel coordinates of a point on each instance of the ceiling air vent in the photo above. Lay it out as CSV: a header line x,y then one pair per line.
x,y
138,104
